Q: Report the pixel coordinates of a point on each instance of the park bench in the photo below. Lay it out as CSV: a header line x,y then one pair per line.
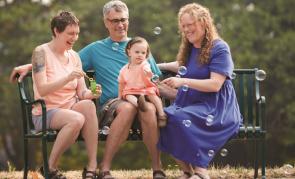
x,y
246,84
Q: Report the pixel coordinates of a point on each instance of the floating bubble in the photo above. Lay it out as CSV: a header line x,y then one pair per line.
x,y
250,7
157,30
198,154
185,88
187,123
105,130
260,75
209,120
233,75
223,152
182,70
155,78
115,46
211,153
177,76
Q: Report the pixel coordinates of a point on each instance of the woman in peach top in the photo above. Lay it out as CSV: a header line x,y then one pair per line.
x,y
135,79
58,80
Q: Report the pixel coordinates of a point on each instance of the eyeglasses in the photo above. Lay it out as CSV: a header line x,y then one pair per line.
x,y
117,21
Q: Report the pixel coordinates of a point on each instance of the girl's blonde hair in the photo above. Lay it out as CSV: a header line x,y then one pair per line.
x,y
200,14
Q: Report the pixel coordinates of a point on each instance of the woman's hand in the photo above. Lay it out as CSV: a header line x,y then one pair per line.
x,y
174,82
98,92
87,94
75,74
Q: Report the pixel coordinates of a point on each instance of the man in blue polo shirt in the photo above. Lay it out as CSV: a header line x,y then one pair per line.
x,y
107,57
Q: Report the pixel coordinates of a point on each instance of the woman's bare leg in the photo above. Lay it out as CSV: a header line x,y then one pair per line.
x,y
89,130
185,167
69,123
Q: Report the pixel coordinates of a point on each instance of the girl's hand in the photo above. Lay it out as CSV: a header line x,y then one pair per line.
x,y
174,82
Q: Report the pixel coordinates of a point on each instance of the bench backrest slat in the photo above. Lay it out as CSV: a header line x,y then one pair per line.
x,y
27,95
246,87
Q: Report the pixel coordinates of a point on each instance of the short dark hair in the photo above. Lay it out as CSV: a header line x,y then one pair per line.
x,y
62,20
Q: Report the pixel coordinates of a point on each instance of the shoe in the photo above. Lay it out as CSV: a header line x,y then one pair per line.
x,y
56,174
104,175
199,176
162,120
142,103
159,174
185,175
88,174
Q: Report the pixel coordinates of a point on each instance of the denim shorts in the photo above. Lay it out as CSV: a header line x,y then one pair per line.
x,y
37,119
107,112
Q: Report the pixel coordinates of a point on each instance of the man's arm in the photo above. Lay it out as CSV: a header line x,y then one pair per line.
x,y
171,66
21,70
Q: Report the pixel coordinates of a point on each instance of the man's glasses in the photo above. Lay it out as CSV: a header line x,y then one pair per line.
x,y
117,21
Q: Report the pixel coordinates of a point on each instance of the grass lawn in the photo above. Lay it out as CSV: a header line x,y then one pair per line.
x,y
286,171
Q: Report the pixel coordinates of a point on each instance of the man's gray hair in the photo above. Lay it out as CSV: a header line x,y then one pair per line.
x,y
117,5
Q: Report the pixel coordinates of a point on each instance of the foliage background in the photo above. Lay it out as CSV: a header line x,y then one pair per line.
x,y
261,34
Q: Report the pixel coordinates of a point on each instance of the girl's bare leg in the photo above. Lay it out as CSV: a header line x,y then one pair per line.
x,y
132,99
158,104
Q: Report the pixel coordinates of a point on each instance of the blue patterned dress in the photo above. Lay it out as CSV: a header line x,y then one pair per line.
x,y
200,123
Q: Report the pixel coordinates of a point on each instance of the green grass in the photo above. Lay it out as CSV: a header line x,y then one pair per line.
x,y
286,171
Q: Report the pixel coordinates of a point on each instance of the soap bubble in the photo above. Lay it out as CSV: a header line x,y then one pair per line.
x,y
157,30
182,70
155,78
260,75
115,46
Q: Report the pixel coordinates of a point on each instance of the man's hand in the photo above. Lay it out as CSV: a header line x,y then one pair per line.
x,y
21,70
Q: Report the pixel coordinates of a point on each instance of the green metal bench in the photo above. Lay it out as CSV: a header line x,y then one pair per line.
x,y
252,106
27,100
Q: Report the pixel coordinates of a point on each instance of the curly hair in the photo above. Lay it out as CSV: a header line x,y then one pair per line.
x,y
200,14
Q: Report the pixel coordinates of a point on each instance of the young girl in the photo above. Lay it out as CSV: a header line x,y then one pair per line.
x,y
135,79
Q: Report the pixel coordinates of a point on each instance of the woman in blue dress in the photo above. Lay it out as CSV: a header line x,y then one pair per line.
x,y
205,113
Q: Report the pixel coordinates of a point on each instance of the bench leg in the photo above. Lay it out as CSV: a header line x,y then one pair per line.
x,y
45,159
25,158
256,158
263,162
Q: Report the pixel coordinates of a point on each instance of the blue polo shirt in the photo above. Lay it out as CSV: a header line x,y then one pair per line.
x,y
106,58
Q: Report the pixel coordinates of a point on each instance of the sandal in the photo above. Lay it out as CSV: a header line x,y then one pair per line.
x,y
56,174
88,174
185,175
105,175
162,120
142,103
159,174
200,176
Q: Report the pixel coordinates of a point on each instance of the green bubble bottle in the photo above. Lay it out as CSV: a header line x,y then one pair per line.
x,y
92,85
